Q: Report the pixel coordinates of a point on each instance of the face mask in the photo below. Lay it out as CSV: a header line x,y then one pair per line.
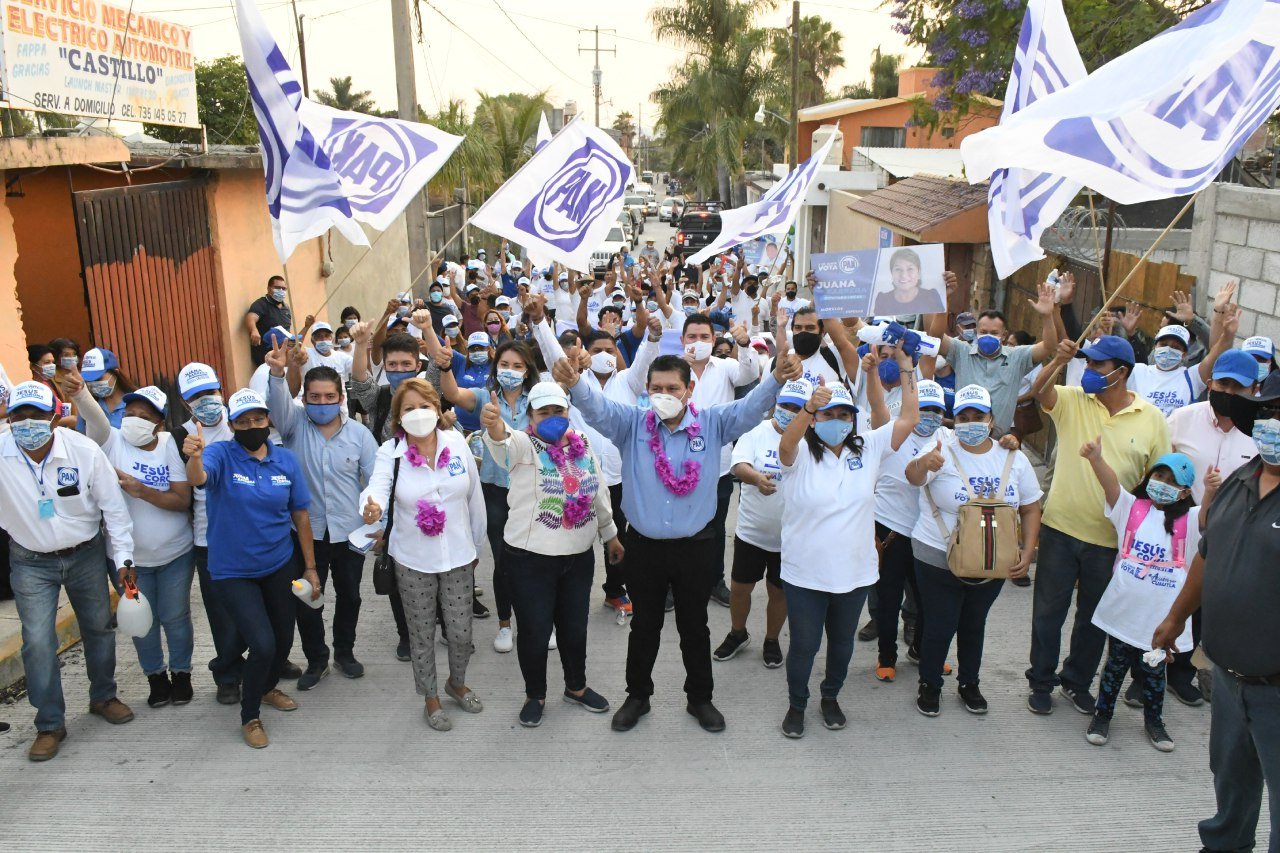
x,y
402,311
344,343
101,388
451,331
783,417
973,434
436,297
651,306
208,410
324,347
474,300
1266,435
48,371
988,345
1161,494
253,438
603,362
834,431
350,322
889,372
505,315
395,377
806,343
969,334
420,422
552,429
279,294
1167,358
563,285
690,310
791,294
323,413
31,434
1264,370
1093,382
510,379
479,357
752,291
665,406
494,328
930,422
137,431
698,350
68,362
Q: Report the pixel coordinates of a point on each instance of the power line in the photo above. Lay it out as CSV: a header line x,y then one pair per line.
x,y
520,30
482,46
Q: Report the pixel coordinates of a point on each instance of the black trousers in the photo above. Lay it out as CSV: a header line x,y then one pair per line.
x,y
897,571
614,574
688,567
550,593
347,568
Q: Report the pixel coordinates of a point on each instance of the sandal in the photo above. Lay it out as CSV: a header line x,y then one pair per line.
x,y
468,701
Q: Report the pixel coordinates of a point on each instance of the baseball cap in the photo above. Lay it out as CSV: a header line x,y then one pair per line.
x,y
1257,345
478,339
474,264
517,265
797,391
1184,472
481,253
972,397
504,300
96,362
564,276
197,377
966,318
244,400
839,397
404,297
449,320
275,335
1175,331
472,288
931,394
34,394
150,394
441,282
720,319
1108,348
547,394
524,279
1238,365
760,345
321,327
689,294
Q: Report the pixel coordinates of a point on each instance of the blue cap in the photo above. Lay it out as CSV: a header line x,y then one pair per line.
x,y
1184,472
1238,365
972,397
276,335
1109,348
840,396
97,362
720,319
797,392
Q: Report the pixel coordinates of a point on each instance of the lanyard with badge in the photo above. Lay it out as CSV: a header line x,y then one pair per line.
x,y
45,504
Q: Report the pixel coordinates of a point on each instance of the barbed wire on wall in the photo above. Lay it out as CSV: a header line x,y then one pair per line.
x,y
1073,234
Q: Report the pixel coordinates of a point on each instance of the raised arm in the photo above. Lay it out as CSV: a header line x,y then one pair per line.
x,y
1046,388
748,361
909,411
583,317
280,403
1225,326
96,425
1044,305
789,444
848,353
612,419
875,390
463,398
1092,451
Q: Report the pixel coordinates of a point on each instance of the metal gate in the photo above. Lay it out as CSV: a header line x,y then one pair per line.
x,y
148,267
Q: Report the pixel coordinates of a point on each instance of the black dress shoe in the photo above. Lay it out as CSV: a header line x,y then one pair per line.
x,y
629,714
708,717
228,694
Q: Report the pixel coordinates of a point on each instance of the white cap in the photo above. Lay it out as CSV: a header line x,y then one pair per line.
x,y
1259,345
931,394
547,394
471,288
480,252
524,279
150,394
442,280
517,265
1175,331
839,397
506,300
972,397
34,394
797,391
97,362
474,264
321,327
449,320
244,400
564,276
406,296
197,377
478,339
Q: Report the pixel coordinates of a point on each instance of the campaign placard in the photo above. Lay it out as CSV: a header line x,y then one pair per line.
x,y
890,282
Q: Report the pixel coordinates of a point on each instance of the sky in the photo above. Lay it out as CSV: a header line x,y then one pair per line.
x,y
500,46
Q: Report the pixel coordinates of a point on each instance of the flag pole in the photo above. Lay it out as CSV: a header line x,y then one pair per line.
x,y
1097,249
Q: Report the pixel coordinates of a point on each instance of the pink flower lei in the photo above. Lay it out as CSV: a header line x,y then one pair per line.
x,y
417,460
430,518
576,447
687,482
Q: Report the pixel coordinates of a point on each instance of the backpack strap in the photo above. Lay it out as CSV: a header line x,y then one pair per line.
x,y
964,477
391,503
937,517
830,358
1137,514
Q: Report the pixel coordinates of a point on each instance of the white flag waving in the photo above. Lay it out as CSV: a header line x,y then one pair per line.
x,y
1022,203
1160,121
561,204
544,132
328,168
774,213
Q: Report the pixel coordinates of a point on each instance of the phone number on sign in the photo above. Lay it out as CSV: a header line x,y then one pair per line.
x,y
144,113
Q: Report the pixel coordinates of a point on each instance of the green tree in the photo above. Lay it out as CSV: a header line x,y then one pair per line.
x,y
475,160
883,82
510,124
223,107
341,97
624,122
15,123
821,51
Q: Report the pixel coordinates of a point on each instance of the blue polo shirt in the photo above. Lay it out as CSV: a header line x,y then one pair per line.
x,y
249,502
472,376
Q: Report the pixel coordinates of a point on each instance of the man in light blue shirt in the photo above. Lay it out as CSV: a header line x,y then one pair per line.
x,y
336,455
671,465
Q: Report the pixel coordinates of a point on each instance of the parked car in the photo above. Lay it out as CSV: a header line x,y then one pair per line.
x,y
614,243
670,210
638,203
651,206
697,228
646,177
628,226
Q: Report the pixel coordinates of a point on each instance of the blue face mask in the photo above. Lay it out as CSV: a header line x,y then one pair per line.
x,y
988,345
552,429
833,431
1264,370
324,347
1167,358
479,357
208,410
279,294
973,434
969,334
1266,436
437,297
323,413
452,331
783,417
651,305
890,372
510,379
100,388
402,311
690,310
1093,382
31,434
1161,494
395,377
929,424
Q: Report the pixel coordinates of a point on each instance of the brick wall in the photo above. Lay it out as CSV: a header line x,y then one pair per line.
x,y
1236,235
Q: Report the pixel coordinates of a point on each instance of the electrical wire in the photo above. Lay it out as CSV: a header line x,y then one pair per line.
x,y
520,30
483,47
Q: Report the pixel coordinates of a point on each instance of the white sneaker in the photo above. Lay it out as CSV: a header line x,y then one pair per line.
x,y
551,644
503,643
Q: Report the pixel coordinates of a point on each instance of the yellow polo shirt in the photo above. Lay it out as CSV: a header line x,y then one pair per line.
x,y
1132,440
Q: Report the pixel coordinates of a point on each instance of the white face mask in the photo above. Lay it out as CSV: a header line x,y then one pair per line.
x,y
137,431
603,362
698,350
419,422
666,406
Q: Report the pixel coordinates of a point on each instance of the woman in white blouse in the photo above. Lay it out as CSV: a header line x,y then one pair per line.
x,y
558,505
437,523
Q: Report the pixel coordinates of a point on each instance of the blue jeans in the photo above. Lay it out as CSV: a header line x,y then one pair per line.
x,y
228,646
550,592
263,609
168,588
958,610
37,579
1065,562
810,613
1244,752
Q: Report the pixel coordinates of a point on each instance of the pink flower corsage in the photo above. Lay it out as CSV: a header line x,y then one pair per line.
x,y
577,511
430,518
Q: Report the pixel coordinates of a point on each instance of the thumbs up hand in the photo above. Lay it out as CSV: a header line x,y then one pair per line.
x,y
193,445
932,461
490,416
372,512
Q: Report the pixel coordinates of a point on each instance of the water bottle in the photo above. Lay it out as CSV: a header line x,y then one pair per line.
x,y
1054,279
302,589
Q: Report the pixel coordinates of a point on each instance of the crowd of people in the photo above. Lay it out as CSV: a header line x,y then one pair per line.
x,y
539,412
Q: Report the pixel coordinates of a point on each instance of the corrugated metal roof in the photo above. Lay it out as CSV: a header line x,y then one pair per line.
x,y
905,162
840,107
916,204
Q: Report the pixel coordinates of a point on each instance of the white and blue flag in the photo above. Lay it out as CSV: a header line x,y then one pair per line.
x,y
1160,121
544,133
1023,203
561,204
328,168
774,213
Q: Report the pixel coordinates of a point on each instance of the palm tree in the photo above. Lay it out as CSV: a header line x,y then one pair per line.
x,y
342,98
884,78
510,122
821,51
475,160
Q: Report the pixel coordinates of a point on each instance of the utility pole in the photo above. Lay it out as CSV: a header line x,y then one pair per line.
x,y
302,49
415,215
595,72
795,83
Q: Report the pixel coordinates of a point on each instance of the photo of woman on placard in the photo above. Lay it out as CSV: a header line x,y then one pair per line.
x,y
906,294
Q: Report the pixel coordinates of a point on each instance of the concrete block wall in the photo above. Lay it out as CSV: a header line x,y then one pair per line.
x,y
1236,235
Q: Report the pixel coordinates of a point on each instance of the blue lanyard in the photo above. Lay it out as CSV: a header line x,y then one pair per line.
x,y
40,477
